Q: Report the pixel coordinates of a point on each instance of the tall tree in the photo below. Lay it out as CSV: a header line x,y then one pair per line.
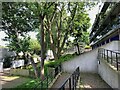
x,y
60,22
17,21
41,10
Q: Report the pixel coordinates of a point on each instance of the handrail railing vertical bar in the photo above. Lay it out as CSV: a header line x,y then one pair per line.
x,y
104,53
107,56
73,81
69,83
111,57
116,61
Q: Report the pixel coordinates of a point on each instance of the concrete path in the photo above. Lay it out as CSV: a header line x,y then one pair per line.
x,y
7,81
60,80
89,80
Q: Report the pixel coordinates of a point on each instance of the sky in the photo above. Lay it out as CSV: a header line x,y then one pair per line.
x,y
92,14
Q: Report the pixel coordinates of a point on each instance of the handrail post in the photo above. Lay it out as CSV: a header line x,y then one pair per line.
x,y
69,83
104,53
111,57
116,61
107,56
73,80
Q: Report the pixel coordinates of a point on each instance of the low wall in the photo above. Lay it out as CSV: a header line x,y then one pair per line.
x,y
87,62
21,72
114,45
1,66
108,74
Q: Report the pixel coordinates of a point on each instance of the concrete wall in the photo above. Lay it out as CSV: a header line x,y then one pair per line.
x,y
21,72
108,74
87,62
114,45
0,53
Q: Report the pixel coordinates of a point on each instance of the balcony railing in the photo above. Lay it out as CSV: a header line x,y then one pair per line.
x,y
111,57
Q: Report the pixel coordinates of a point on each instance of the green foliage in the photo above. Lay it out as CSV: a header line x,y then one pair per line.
x,y
62,59
17,21
34,46
30,84
87,47
7,62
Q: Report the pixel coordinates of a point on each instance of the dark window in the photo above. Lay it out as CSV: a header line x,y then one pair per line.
x,y
107,41
103,43
115,38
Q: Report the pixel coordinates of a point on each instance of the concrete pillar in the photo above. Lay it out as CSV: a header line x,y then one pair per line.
x,y
1,66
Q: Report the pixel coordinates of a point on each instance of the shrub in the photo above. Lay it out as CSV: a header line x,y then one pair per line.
x,y
62,59
7,62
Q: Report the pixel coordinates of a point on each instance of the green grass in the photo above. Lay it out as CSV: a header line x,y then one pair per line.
x,y
34,83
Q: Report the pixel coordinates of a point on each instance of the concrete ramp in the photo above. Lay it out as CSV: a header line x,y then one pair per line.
x,y
61,79
87,62
93,81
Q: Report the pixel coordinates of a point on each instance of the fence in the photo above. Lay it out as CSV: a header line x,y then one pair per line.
x,y
112,57
71,81
44,84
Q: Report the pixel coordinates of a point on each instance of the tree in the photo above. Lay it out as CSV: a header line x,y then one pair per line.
x,y
41,10
55,21
79,31
17,21
60,25
34,46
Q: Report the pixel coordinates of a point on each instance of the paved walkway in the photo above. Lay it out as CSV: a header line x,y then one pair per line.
x,y
11,81
89,80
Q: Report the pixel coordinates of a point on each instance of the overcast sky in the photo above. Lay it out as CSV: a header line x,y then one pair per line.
x,y
92,15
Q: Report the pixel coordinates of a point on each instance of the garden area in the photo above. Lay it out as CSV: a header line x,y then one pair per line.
x,y
32,29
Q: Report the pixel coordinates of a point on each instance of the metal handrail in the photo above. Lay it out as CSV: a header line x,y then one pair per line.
x,y
112,57
73,76
46,79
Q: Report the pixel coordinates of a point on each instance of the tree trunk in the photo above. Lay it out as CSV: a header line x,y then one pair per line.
x,y
34,67
78,48
42,42
52,45
25,59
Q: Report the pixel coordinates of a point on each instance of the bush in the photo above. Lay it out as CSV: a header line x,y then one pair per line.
x,y
62,59
7,62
